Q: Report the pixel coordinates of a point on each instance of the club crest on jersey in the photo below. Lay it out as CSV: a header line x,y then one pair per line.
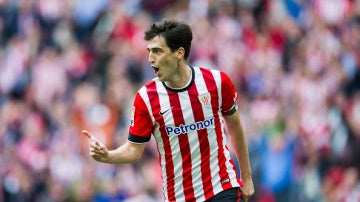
x,y
205,100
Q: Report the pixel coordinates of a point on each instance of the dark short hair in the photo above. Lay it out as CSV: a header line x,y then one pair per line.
x,y
176,34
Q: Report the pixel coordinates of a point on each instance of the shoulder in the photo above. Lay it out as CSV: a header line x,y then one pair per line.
x,y
208,70
149,85
151,82
213,74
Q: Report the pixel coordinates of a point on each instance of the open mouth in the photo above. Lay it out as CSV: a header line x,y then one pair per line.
x,y
156,69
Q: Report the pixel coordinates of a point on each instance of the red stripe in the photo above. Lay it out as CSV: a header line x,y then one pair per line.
x,y
184,147
228,97
211,84
155,108
204,143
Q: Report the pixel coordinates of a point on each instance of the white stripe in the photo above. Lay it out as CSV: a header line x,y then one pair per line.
x,y
161,146
174,143
144,95
157,136
214,163
217,77
230,171
194,145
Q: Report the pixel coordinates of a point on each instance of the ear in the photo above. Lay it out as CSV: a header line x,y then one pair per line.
x,y
180,53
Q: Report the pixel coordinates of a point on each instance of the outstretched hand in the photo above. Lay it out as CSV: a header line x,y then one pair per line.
x,y
97,150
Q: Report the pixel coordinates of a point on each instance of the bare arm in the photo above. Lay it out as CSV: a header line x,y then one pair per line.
x,y
127,153
239,144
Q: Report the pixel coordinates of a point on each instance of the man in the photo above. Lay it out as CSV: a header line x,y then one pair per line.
x,y
185,109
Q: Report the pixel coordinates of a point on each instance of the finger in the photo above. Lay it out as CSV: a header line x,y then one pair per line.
x,y
97,149
95,156
92,138
97,153
94,145
245,197
242,193
98,144
86,133
89,135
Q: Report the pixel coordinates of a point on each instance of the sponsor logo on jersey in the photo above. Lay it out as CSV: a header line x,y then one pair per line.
x,y
182,129
164,112
132,116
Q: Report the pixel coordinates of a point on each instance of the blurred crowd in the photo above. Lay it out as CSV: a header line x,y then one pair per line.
x,y
68,65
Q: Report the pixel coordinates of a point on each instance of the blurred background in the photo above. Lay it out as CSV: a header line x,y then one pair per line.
x,y
68,65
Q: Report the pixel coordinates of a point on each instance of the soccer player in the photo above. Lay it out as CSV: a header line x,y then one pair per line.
x,y
186,109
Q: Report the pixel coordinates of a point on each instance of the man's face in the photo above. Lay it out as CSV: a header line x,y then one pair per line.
x,y
162,60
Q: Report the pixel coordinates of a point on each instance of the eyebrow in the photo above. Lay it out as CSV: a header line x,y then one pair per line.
x,y
153,48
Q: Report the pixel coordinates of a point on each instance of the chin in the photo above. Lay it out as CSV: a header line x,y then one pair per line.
x,y
160,77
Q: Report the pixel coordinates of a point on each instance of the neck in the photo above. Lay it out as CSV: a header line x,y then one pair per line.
x,y
181,77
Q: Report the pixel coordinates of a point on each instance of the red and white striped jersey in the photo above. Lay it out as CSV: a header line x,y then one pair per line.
x,y
188,127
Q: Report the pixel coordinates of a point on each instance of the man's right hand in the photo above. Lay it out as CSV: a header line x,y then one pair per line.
x,y
97,150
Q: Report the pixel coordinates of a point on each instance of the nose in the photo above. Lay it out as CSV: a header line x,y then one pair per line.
x,y
151,58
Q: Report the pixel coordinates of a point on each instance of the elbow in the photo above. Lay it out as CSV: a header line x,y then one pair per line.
x,y
134,152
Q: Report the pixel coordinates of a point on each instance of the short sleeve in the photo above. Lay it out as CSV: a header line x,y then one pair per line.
x,y
229,95
141,124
